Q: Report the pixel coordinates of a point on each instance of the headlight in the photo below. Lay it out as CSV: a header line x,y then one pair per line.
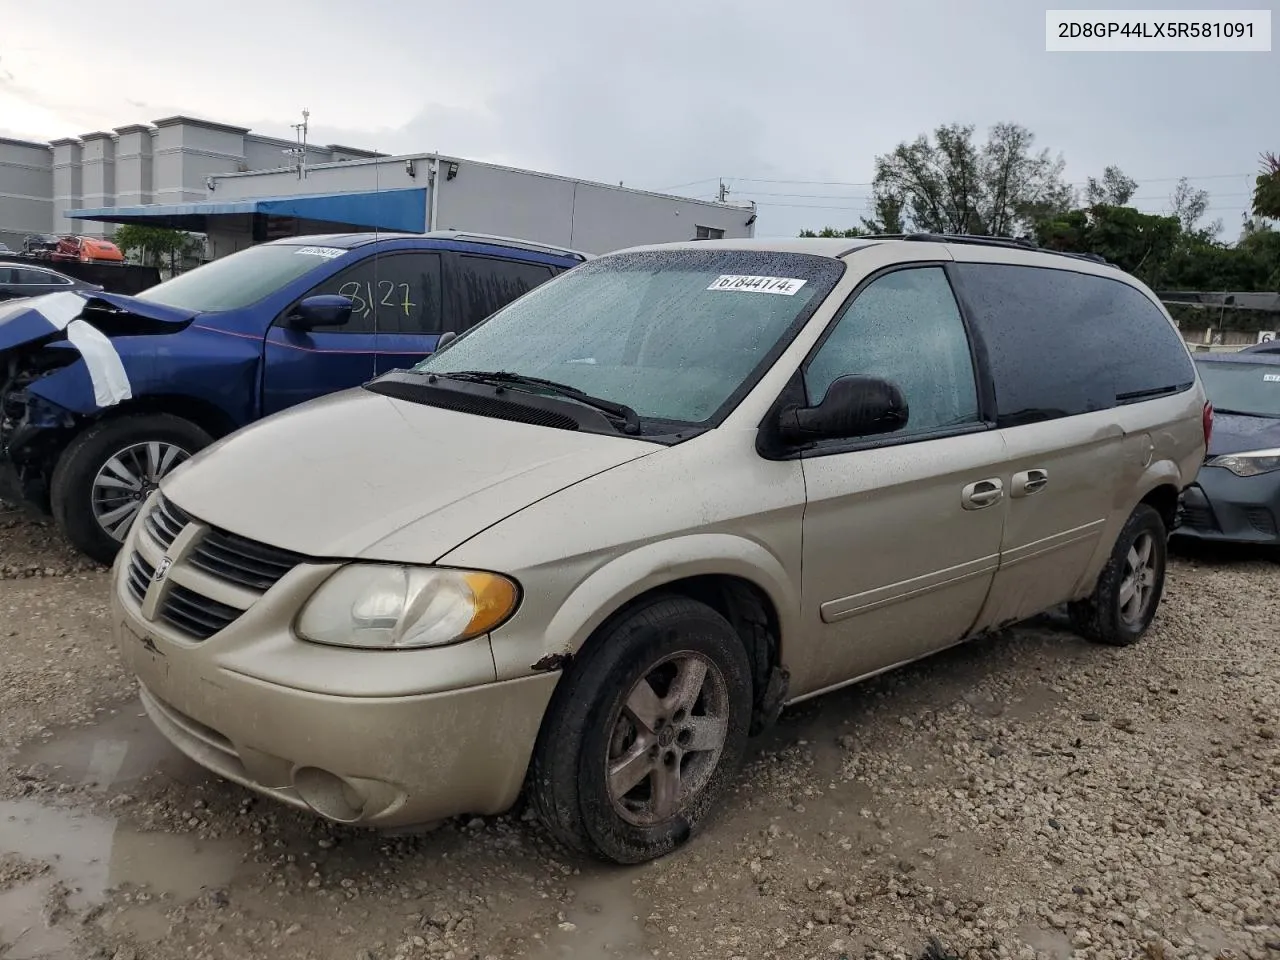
x,y
388,607
1248,464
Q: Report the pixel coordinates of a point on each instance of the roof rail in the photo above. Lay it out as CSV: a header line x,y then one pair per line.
x,y
1017,243
515,242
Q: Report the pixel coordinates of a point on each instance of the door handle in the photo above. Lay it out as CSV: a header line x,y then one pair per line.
x,y
982,493
1029,482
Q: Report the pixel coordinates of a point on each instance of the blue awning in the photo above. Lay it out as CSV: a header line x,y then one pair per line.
x,y
401,209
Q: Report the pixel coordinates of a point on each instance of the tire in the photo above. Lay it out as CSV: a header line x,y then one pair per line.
x,y
78,501
1112,615
662,644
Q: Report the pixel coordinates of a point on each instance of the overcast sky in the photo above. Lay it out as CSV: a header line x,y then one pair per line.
x,y
656,94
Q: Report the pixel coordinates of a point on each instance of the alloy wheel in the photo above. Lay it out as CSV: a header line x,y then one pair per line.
x,y
668,738
1138,586
124,482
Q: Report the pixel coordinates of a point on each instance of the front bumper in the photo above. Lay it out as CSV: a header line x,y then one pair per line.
x,y
1221,506
398,737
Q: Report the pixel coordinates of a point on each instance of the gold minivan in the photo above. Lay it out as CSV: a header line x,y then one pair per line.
x,y
593,544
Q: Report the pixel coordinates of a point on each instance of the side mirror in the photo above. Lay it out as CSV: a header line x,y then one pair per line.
x,y
853,407
322,310
446,338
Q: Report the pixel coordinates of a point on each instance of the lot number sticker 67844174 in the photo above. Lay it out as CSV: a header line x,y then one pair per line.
x,y
785,286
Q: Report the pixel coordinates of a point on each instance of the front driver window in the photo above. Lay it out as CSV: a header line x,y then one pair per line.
x,y
904,327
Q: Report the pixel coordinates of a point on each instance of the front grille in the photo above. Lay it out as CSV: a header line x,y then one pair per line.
x,y
165,522
198,616
225,556
1261,519
244,562
139,574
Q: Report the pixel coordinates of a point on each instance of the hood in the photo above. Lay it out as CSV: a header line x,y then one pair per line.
x,y
339,476
1237,434
46,317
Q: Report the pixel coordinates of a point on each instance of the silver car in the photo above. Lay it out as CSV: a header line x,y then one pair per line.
x,y
604,536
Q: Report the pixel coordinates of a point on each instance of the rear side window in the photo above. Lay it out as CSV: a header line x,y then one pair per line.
x,y
41,277
1061,343
488,285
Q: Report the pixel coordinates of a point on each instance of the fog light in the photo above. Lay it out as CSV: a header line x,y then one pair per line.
x,y
329,795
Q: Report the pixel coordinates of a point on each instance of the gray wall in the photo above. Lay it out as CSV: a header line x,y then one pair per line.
x,y
485,198
592,217
26,189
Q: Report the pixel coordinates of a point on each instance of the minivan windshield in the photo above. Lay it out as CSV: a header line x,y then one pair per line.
x,y
1252,389
672,334
240,279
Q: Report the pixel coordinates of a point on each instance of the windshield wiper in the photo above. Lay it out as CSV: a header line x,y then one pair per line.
x,y
630,419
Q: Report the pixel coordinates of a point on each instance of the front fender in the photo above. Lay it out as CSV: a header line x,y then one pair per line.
x,y
205,365
606,589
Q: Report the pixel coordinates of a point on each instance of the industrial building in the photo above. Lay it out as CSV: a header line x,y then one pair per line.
x,y
239,188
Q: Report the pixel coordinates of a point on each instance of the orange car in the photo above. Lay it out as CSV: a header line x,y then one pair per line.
x,y
87,249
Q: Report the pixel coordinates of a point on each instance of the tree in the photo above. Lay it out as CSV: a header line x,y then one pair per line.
x,y
1140,243
156,246
887,218
1266,195
954,185
1114,189
827,232
1189,206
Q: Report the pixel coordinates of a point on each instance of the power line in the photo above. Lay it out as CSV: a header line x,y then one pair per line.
x,y
1074,183
691,183
852,196
850,183
864,209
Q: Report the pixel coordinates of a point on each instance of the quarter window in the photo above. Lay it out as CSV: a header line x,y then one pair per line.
x,y
488,284
391,293
1062,343
904,327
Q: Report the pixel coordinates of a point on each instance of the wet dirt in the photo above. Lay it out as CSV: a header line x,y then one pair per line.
x,y
120,749
90,857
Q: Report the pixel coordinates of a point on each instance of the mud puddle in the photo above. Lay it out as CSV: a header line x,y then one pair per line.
x,y
89,858
75,861
605,922
122,748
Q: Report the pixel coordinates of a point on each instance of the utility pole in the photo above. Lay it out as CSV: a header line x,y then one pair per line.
x,y
724,191
300,151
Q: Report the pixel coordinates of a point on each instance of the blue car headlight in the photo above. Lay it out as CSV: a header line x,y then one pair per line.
x,y
1248,464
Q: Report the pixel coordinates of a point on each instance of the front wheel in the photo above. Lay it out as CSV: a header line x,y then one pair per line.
x,y
644,733
1128,592
107,472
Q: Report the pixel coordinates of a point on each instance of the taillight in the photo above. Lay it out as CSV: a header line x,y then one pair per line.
x,y
1206,421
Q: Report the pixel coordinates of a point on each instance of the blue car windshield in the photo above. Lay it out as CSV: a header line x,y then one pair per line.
x,y
241,279
673,334
1249,388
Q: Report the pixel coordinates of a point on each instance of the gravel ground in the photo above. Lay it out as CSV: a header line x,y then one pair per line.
x,y
1030,797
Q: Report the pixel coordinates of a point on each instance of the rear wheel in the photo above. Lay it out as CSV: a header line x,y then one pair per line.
x,y
644,733
107,472
1128,592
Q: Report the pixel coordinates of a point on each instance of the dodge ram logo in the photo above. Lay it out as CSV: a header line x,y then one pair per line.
x,y
161,569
